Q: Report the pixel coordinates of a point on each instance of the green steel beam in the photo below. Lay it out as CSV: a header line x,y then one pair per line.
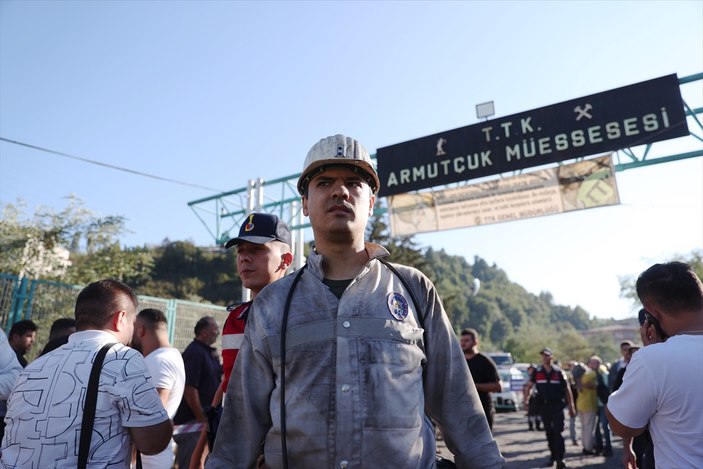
x,y
225,211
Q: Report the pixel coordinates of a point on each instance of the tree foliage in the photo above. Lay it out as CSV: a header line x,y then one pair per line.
x,y
77,246
627,283
73,245
402,249
184,271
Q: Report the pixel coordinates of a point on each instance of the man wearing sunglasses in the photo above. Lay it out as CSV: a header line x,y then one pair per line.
x,y
661,388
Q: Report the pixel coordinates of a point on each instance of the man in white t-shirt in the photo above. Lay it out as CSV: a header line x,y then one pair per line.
x,y
9,366
9,371
167,372
45,410
663,382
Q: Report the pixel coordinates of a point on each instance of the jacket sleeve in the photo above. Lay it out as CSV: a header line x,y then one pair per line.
x,y
246,417
451,398
10,368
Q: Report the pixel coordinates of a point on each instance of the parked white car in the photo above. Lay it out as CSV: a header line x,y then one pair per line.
x,y
501,358
512,381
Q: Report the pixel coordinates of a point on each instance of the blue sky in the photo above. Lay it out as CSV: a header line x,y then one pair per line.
x,y
216,93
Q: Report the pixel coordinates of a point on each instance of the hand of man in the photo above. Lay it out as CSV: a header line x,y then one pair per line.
x,y
628,456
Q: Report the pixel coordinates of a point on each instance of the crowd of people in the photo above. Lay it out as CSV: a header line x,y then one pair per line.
x,y
647,396
350,362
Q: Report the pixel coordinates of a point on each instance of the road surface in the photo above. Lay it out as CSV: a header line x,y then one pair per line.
x,y
524,449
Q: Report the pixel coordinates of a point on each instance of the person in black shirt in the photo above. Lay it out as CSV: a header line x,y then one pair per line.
x,y
203,376
483,371
58,334
22,336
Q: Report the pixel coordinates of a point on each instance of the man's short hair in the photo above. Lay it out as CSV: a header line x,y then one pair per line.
x,y
97,302
203,323
152,317
20,328
62,325
626,342
285,248
470,331
674,287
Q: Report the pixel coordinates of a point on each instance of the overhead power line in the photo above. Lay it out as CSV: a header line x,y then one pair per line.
x,y
111,166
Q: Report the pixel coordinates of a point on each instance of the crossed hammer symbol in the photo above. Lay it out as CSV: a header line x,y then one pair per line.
x,y
583,112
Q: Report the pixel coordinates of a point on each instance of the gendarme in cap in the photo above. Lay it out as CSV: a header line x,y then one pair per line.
x,y
338,151
260,228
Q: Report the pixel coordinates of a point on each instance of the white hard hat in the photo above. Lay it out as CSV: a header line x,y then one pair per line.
x,y
338,150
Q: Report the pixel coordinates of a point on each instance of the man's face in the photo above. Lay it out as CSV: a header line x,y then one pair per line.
x,y
624,350
259,264
467,343
210,333
23,343
338,203
593,364
136,334
130,319
546,359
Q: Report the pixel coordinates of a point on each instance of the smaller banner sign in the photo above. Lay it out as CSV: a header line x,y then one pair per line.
x,y
586,184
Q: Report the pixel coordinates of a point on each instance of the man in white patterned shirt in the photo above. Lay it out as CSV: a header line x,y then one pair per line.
x,y
45,409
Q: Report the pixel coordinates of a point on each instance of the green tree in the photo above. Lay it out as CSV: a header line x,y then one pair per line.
x,y
182,270
402,249
131,265
627,282
73,245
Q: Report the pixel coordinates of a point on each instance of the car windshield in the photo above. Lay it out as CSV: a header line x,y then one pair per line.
x,y
501,359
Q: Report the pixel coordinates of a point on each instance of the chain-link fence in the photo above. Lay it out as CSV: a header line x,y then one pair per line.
x,y
182,316
43,302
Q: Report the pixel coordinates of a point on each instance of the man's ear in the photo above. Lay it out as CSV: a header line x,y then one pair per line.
x,y
286,260
119,320
372,202
304,200
654,310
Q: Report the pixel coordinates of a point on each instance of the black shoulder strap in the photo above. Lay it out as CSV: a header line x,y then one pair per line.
x,y
405,283
284,326
91,400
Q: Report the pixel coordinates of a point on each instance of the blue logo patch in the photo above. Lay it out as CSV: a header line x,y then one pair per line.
x,y
398,305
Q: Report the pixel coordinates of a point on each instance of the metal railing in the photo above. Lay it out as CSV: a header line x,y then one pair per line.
x,y
44,301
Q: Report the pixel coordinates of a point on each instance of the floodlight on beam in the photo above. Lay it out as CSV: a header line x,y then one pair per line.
x,y
485,110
